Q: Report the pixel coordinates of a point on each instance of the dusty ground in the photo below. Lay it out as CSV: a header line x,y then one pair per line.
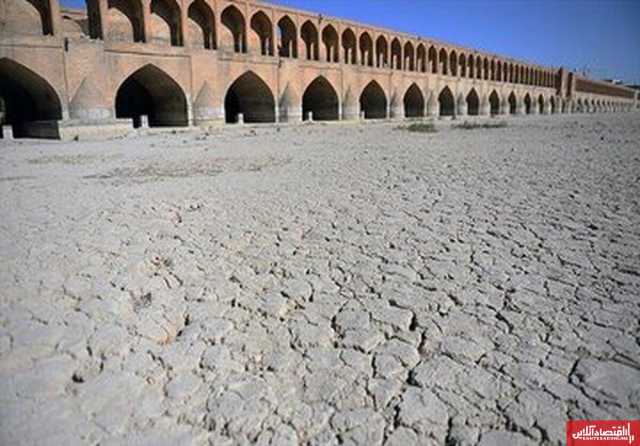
x,y
321,285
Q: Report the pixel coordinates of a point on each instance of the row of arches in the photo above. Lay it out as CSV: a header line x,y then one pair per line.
x,y
150,92
327,43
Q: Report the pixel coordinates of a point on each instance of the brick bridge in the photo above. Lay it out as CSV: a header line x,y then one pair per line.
x,y
124,63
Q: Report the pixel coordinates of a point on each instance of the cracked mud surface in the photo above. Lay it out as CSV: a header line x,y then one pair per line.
x,y
321,285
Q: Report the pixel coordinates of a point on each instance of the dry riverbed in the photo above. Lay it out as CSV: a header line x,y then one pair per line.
x,y
344,284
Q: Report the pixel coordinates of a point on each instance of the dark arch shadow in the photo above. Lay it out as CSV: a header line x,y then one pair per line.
x,y
540,104
413,102
473,103
26,98
494,103
447,103
252,97
527,104
321,99
152,92
373,101
513,104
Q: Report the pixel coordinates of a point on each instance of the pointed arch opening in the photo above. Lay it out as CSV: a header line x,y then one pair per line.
x,y
126,22
494,103
321,99
446,102
287,46
235,35
366,49
527,104
349,46
309,35
252,97
165,22
453,63
151,92
473,103
540,104
382,52
262,32
373,101
396,54
443,57
330,41
27,98
409,57
513,103
421,59
413,102
432,55
201,25
462,65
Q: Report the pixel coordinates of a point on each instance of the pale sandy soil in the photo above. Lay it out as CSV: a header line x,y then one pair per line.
x,y
321,285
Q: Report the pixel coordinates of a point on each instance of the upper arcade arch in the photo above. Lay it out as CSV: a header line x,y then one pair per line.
x,y
462,65
443,58
409,57
382,52
287,38
453,63
421,59
396,54
262,33
201,28
366,49
432,56
234,36
309,34
330,42
349,47
165,22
